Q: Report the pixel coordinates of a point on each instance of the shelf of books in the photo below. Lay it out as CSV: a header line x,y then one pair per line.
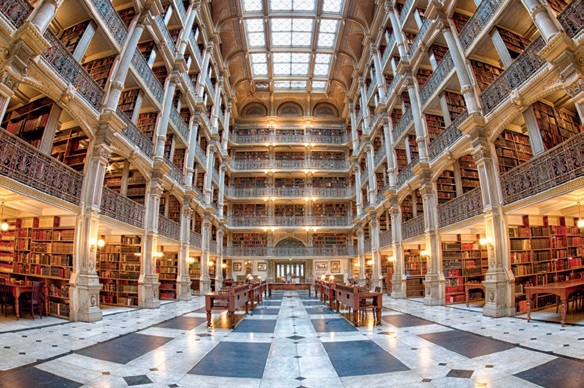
x,y
119,270
446,187
167,270
415,268
469,174
543,249
515,44
44,252
100,69
9,244
249,239
28,121
455,104
70,147
512,149
435,125
556,126
485,73
464,263
329,239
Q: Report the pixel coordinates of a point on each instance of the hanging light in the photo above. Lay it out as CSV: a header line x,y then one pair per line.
x,y
4,225
580,219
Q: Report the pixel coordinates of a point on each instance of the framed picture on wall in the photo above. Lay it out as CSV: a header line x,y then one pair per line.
x,y
236,266
262,267
335,266
321,265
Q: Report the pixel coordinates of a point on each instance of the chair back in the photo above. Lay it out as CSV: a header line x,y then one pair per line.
x,y
377,289
37,288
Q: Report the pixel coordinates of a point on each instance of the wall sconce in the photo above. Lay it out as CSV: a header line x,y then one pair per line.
x,y
323,277
223,265
190,260
93,242
158,254
357,264
370,262
425,253
4,225
391,259
210,263
332,277
486,242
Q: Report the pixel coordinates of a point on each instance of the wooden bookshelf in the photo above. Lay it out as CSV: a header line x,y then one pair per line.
x,y
147,123
167,271
160,72
289,155
544,253
249,239
320,155
9,246
415,269
146,48
174,208
70,146
512,149
249,209
127,284
557,6
127,15
455,103
289,210
435,125
459,21
422,76
469,174
100,69
515,43
464,263
72,35
289,182
485,73
249,182
251,155
329,209
136,187
407,208
28,121
446,186
556,126
438,52
127,101
401,158
336,182
329,239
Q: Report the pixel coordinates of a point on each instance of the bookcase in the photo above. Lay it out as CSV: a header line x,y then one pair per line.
x,y
251,155
174,208
160,72
459,21
167,270
543,251
127,15
396,115
435,125
147,123
146,48
9,245
407,209
179,158
336,182
556,126
136,186
72,35
70,147
319,155
252,131
512,149
249,239
415,269
484,73
289,182
469,174
249,209
401,158
126,277
326,131
438,52
28,121
455,103
329,239
464,263
423,75
249,182
100,69
289,210
515,44
446,186
127,101
329,209
289,155
45,253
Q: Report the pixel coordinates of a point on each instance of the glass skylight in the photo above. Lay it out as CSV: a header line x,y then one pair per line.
x,y
252,5
318,85
292,32
256,36
327,32
333,6
292,5
291,64
321,64
290,84
259,64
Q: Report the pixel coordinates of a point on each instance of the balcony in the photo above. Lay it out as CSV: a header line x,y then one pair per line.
x,y
559,165
251,192
211,89
168,228
326,251
196,50
69,68
289,164
447,138
168,41
212,246
135,136
412,228
290,192
388,49
332,192
195,239
121,208
111,20
478,24
144,71
381,194
215,176
337,165
461,208
438,77
523,69
175,173
371,89
199,153
571,18
363,177
406,9
385,239
416,43
250,164
402,126
16,11
179,125
367,246
406,174
379,156
26,165
306,221
181,10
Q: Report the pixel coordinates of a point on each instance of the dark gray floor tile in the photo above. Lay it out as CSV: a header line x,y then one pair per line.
x,y
137,380
124,349
356,358
256,326
560,372
468,344
182,323
320,310
33,377
265,311
234,359
333,325
460,373
405,320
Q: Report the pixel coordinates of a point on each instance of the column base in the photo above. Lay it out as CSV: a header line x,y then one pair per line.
x,y
148,292
84,294
376,281
183,289
205,286
434,290
398,286
499,295
218,284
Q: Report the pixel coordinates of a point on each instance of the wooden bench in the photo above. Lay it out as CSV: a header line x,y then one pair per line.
x,y
356,298
231,299
289,287
256,291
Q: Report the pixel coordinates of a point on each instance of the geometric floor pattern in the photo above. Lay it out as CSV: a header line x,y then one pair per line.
x,y
291,340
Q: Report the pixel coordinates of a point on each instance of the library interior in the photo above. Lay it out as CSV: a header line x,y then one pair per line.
x,y
292,193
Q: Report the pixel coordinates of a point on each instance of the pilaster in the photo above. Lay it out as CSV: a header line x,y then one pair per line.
x,y
398,279
183,279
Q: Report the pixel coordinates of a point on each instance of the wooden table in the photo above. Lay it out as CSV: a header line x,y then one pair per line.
x,y
18,289
471,286
289,287
352,296
233,298
561,289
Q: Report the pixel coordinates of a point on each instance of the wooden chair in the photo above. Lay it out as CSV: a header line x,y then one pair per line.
x,y
6,297
32,301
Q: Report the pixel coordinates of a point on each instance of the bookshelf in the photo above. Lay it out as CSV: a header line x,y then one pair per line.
x,y
446,187
437,52
396,115
174,208
167,270
147,123
70,147
336,182
127,15
422,76
289,182
249,239
469,174
127,282
100,69
415,269
251,155
127,101
136,187
289,210
515,44
29,121
249,182
289,155
160,72
459,21
464,263
401,158
45,253
543,250
455,103
512,149
484,73
146,48
72,35
329,239
249,209
407,209
329,209
319,155
435,125
556,126
179,158
9,245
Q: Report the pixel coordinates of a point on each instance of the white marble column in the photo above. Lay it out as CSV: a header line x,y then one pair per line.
x,y
225,139
541,17
148,281
205,283
361,255
219,270
419,125
371,175
358,193
376,277
183,279
162,124
204,68
398,279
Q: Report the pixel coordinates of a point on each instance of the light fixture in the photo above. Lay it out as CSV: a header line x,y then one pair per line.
x,y
580,223
93,242
424,253
486,242
158,254
210,263
391,259
323,277
4,225
332,277
357,264
370,262
190,260
223,265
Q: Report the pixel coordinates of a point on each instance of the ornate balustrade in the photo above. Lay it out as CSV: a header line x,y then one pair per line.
x,y
447,138
215,175
16,11
267,221
385,239
290,191
439,76
381,194
325,251
460,208
175,172
145,72
181,10
328,164
571,18
69,68
289,164
363,178
196,49
27,165
406,174
249,192
212,246
414,227
168,228
121,208
250,164
332,192
295,139
406,9
366,246
179,124
254,139
111,19
388,50
211,89
371,89
478,22
393,85
201,154
403,124
418,40
164,29
561,164
135,136
379,156
326,139
195,239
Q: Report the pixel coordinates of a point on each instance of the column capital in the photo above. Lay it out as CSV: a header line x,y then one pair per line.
x,y
209,46
388,6
156,189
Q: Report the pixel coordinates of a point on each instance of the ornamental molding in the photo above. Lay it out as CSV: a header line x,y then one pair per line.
x,y
30,192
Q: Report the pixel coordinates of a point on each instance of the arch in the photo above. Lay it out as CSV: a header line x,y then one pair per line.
x,y
254,109
290,242
290,109
325,109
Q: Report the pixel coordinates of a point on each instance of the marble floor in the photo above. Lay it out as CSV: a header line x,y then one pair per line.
x,y
291,340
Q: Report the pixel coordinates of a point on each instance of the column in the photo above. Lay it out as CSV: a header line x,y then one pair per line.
x,y
354,139
119,78
461,71
403,53
417,117
499,281
186,31
206,237
148,282
225,139
359,194
219,269
221,196
162,126
391,171
364,104
361,255
209,174
541,18
84,283
190,155
183,279
217,106
434,282
43,14
371,175
376,278
204,68
398,279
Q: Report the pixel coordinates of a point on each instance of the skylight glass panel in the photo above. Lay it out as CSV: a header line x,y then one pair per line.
x,y
288,64
290,84
292,5
255,32
292,32
259,64
332,6
252,5
327,33
322,64
318,85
